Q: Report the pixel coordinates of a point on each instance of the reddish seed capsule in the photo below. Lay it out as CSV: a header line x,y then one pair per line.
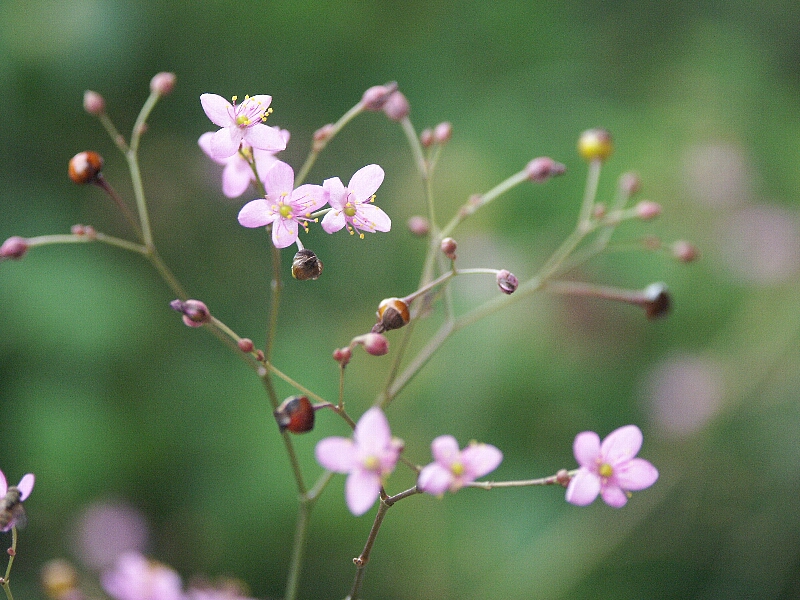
x,y
656,301
295,414
85,167
392,314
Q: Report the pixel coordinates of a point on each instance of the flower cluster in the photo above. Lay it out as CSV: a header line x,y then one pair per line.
x,y
247,147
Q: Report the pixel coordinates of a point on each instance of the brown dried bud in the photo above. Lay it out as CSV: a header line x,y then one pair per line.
x,y
392,314
85,167
306,265
195,313
656,300
295,414
449,247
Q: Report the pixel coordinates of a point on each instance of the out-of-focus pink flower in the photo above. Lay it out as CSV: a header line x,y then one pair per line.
x,y
452,468
137,578
367,458
240,123
352,205
11,498
609,469
106,530
284,207
237,174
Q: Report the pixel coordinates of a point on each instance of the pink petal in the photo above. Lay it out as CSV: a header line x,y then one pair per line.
x,y
434,479
361,490
263,99
635,474
614,496
26,486
583,488
586,449
279,180
236,177
264,137
225,142
3,484
217,109
284,232
333,221
372,218
445,450
621,444
480,459
308,198
256,213
205,145
372,434
366,182
336,191
336,454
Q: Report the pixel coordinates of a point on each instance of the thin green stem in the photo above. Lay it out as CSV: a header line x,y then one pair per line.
x,y
319,145
298,548
590,193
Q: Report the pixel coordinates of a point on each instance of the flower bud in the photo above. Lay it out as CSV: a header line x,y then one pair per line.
x,y
507,281
426,138
449,247
656,300
295,414
543,168
396,106
419,226
647,209
375,344
629,183
595,145
85,167
443,132
306,265
162,83
342,356
375,97
563,478
323,134
685,251
14,247
392,314
195,313
93,103
246,345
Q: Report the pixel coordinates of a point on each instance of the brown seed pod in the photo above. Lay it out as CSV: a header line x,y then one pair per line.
x,y
296,414
392,314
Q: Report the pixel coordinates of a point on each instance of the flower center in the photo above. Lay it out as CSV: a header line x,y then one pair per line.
x,y
250,112
371,463
605,470
285,210
349,210
457,469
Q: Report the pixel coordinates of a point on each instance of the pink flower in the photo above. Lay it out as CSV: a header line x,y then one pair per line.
x,y
368,458
284,207
237,174
452,468
136,578
11,498
352,204
240,123
609,469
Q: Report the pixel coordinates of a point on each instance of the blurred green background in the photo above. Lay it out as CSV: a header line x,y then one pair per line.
x,y
107,397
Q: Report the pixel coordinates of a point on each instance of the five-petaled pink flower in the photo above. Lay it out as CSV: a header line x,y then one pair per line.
x,y
284,207
240,123
368,458
609,469
452,468
237,174
352,205
11,498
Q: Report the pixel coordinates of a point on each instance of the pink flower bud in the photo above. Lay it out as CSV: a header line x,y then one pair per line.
x,y
646,209
543,168
396,106
375,97
419,226
426,138
14,247
507,281
342,356
162,83
629,183
685,251
246,345
195,313
449,247
374,343
93,103
443,132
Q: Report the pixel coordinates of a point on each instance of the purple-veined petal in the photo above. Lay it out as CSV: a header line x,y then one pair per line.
x,y
264,100
336,454
445,450
336,192
284,232
586,449
308,198
225,142
361,490
26,486
264,137
621,444
204,141
333,221
366,182
635,474
372,434
614,496
256,213
372,218
279,180
434,479
3,484
480,459
583,488
217,109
